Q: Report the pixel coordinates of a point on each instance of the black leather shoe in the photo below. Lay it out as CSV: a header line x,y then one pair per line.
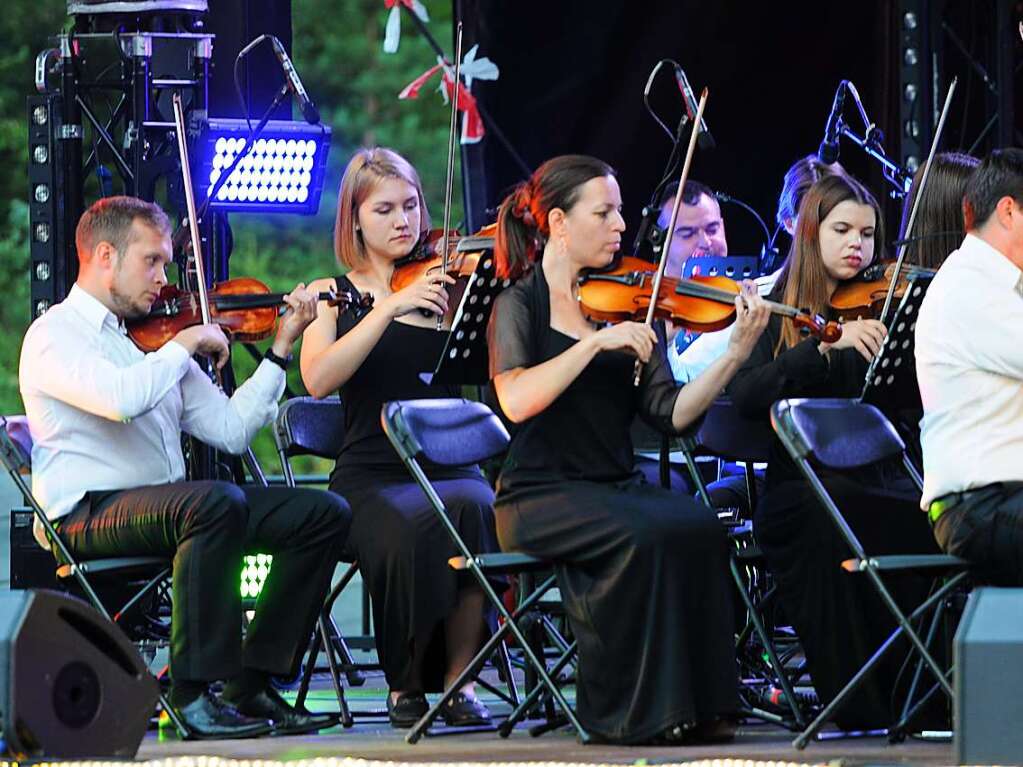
x,y
463,711
287,720
407,710
209,718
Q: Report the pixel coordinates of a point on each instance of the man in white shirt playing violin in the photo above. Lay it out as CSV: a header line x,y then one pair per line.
x,y
106,422
969,360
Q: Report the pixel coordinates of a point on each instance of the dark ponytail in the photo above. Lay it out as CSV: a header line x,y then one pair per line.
x,y
522,227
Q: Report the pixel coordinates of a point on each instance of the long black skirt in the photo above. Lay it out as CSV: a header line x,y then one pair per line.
x,y
839,616
403,551
643,575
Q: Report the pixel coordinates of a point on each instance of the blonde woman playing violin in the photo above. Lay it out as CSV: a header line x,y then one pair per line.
x,y
429,622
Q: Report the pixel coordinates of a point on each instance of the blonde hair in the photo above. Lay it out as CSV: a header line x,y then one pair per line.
x,y
366,169
803,280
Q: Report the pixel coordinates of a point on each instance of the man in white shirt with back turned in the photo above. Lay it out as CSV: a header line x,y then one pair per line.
x,y
969,359
106,421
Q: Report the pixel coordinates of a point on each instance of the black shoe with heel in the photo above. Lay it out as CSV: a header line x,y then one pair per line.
x,y
461,710
408,709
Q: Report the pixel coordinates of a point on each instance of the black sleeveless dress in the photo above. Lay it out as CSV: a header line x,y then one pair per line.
x,y
401,546
642,570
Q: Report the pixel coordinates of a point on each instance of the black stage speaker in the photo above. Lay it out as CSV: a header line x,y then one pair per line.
x,y
989,678
71,684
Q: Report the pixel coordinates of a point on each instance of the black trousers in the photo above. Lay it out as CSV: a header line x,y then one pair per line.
x,y
985,527
839,617
207,526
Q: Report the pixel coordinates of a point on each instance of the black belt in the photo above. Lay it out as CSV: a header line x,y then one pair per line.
x,y
942,504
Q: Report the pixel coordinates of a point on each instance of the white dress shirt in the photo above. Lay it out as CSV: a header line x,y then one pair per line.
x,y
702,352
969,361
105,416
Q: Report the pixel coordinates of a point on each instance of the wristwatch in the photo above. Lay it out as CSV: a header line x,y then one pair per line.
x,y
281,362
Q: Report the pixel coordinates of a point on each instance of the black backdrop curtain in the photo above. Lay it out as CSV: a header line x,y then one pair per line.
x,y
573,72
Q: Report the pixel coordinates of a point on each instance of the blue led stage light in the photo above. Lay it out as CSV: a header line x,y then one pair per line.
x,y
282,173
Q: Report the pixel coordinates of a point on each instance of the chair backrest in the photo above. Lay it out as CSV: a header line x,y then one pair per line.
x,y
448,432
727,434
837,433
310,426
16,448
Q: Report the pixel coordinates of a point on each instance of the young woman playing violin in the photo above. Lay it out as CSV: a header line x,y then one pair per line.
x,y
429,622
839,619
641,570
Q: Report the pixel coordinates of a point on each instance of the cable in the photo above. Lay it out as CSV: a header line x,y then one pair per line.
x,y
646,96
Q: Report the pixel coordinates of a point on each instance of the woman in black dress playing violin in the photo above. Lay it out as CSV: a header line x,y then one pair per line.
x,y
839,618
642,570
429,620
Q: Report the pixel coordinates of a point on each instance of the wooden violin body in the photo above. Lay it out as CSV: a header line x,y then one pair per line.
x,y
464,254
701,304
244,307
863,297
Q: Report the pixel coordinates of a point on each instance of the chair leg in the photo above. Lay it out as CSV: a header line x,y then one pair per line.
x,y
335,675
530,700
909,709
172,713
354,676
307,672
420,727
804,737
765,639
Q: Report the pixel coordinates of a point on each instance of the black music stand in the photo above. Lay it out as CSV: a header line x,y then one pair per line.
x,y
891,379
465,359
733,267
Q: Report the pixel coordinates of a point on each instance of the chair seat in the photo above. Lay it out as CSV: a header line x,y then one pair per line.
x,y
907,562
116,564
502,563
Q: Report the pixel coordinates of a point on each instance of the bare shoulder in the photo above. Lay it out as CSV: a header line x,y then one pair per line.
x,y
322,285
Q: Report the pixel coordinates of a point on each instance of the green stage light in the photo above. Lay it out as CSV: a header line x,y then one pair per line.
x,y
254,573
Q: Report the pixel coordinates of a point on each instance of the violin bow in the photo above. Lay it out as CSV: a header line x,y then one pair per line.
x,y
666,246
908,234
193,227
200,268
449,181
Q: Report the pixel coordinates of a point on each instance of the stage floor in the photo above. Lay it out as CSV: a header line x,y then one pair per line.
x,y
375,740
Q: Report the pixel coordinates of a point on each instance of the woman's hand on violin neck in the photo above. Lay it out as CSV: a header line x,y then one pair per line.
x,y
865,336
632,337
301,311
751,316
207,340
428,293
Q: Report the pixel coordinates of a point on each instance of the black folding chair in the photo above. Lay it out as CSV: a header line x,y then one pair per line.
x,y
310,426
457,432
845,434
16,454
726,434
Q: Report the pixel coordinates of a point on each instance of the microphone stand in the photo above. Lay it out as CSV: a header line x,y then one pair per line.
x,y
649,236
870,142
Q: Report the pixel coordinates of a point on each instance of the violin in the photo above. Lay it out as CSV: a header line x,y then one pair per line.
x,y
244,307
463,253
864,296
702,304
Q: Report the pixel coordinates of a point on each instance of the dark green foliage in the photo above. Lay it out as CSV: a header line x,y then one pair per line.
x,y
339,51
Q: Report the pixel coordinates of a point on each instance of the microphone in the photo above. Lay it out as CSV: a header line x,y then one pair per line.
x,y
705,140
829,149
309,111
